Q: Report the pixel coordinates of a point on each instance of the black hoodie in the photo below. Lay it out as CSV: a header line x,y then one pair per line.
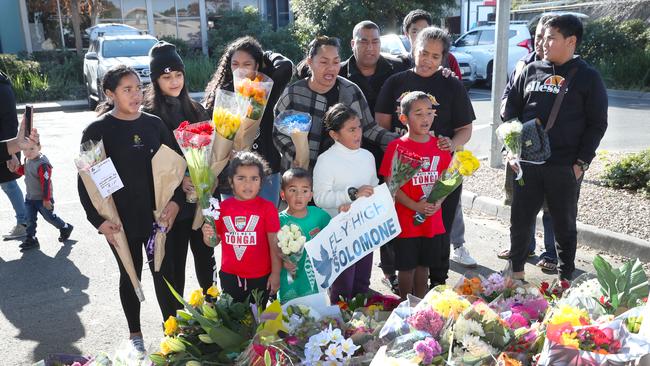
x,y
582,120
8,122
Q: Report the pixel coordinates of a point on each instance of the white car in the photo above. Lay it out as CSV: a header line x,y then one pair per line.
x,y
395,45
106,51
479,42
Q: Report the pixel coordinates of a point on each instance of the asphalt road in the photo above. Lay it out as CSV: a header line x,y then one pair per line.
x,y
64,298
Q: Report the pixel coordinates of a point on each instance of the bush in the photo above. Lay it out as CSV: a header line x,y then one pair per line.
x,y
182,47
632,172
25,76
198,71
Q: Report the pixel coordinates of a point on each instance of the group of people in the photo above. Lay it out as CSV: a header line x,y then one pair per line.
x,y
363,111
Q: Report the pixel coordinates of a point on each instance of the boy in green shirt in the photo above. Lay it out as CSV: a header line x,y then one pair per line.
x,y
296,190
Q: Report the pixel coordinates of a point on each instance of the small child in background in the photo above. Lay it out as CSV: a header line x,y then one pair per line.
x,y
248,227
296,190
38,181
418,247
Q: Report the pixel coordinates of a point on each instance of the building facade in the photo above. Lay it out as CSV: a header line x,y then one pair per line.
x,y
38,25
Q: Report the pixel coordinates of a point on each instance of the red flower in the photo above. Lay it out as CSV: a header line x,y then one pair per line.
x,y
183,125
565,284
544,287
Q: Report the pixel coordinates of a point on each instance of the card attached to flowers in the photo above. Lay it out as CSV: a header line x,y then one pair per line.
x,y
106,177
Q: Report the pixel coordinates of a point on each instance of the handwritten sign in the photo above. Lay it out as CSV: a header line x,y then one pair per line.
x,y
106,178
370,223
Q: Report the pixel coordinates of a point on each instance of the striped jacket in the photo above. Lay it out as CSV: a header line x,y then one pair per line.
x,y
300,98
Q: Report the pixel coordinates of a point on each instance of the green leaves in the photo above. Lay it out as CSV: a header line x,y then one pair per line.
x,y
622,287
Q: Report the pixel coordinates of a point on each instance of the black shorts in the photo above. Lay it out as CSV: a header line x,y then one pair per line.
x,y
241,289
416,252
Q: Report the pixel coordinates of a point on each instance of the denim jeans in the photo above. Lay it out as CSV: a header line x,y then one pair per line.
x,y
33,207
550,254
458,228
12,190
270,189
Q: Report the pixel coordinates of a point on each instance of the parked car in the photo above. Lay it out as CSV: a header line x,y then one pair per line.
x,y
398,45
106,51
479,42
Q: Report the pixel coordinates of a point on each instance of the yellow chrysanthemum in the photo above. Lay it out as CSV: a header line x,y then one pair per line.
x,y
569,314
196,298
171,326
570,340
214,291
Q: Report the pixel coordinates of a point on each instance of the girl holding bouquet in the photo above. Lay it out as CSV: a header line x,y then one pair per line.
x,y
167,97
342,174
131,138
247,53
247,228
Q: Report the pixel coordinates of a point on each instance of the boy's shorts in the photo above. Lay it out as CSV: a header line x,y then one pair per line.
x,y
416,252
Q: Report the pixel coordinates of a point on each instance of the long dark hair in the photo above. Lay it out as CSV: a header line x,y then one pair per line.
x,y
110,81
223,75
154,102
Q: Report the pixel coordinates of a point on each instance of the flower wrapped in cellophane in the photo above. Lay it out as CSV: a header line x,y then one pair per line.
x,y
255,87
196,142
92,153
403,167
463,164
292,244
510,136
296,125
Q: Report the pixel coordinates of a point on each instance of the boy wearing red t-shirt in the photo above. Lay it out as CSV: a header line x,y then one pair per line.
x,y
418,247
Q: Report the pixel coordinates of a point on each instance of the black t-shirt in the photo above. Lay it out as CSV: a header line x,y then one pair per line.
x,y
452,104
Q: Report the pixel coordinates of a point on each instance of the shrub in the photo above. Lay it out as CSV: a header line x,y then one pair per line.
x,y
632,172
182,47
198,71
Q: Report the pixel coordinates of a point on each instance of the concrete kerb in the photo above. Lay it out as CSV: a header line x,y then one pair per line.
x,y
589,235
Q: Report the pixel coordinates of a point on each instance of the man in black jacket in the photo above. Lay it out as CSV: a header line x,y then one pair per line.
x,y
578,129
8,177
369,69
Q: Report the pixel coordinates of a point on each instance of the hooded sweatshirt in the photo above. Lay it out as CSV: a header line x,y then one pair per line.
x,y
582,119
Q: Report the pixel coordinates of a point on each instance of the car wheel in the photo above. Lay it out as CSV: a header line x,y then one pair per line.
x,y
92,103
488,80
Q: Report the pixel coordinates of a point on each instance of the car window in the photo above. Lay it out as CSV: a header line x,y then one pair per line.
x,y
468,39
512,33
486,37
127,47
391,45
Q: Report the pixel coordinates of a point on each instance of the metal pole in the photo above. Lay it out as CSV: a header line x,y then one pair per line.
x,y
58,8
27,34
204,27
499,76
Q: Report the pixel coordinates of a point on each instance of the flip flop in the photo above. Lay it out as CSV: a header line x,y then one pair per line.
x,y
504,254
547,266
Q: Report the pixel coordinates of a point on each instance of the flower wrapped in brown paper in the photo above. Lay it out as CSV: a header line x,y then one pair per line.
x,y
255,88
93,153
168,169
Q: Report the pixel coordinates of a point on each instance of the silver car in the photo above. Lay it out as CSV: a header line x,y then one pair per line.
x,y
479,42
106,51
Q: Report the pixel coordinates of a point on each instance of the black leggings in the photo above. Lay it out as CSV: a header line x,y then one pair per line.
x,y
130,302
204,263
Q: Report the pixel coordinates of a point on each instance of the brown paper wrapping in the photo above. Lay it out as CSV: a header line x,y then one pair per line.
x,y
301,143
168,170
221,149
106,209
246,134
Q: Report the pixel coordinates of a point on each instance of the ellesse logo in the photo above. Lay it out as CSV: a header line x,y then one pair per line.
x,y
552,84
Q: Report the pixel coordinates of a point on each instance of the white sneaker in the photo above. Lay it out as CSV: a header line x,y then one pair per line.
x,y
17,232
462,257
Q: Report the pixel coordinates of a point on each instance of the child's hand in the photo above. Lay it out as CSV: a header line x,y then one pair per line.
x,y
48,205
365,191
109,229
289,266
425,208
208,233
345,207
273,284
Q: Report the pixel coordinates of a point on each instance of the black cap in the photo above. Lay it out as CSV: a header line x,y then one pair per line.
x,y
164,59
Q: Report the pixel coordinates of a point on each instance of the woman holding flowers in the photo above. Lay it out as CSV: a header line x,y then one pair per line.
x,y
131,138
453,112
167,98
247,53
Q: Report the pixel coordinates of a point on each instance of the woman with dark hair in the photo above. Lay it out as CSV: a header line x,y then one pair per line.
x,y
167,98
315,94
131,138
454,114
247,53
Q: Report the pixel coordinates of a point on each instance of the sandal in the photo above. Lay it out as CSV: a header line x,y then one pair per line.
x,y
504,254
547,266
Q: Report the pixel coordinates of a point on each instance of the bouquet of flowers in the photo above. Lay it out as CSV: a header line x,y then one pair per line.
x,y
329,345
510,136
256,88
469,285
296,125
196,142
292,244
93,153
622,288
522,300
403,167
463,164
211,328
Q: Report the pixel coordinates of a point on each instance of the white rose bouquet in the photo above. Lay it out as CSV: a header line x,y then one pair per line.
x,y
292,243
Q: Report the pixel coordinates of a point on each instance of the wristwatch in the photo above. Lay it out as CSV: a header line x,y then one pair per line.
x,y
352,192
582,165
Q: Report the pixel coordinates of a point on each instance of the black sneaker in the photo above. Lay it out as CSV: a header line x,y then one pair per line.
x,y
29,243
65,233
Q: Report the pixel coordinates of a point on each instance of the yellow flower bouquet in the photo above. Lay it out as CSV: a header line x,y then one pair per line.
x,y
254,87
463,164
